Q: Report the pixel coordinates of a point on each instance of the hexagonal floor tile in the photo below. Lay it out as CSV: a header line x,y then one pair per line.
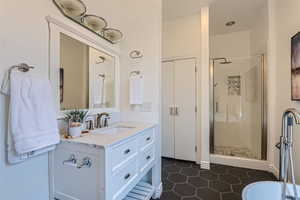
x,y
180,181
219,169
166,162
169,195
238,172
229,179
231,196
189,171
208,194
238,188
184,190
164,173
181,163
191,198
220,186
198,181
177,178
172,169
167,185
248,180
260,174
208,175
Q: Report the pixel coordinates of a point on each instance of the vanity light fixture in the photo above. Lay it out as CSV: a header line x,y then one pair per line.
x,y
76,10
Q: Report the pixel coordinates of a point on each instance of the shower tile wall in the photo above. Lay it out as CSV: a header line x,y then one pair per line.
x,y
237,101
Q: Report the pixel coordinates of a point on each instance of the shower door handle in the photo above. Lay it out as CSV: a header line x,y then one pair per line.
x,y
176,111
171,110
217,107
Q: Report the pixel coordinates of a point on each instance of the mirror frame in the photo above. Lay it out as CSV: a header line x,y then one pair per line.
x,y
58,26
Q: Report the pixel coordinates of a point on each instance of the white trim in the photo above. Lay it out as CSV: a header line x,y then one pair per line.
x,y
244,163
204,115
175,58
60,25
204,165
157,191
83,33
274,170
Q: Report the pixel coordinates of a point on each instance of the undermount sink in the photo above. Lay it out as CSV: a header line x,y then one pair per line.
x,y
112,130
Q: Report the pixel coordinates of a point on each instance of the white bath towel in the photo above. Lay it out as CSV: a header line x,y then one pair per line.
x,y
32,118
234,110
136,90
99,90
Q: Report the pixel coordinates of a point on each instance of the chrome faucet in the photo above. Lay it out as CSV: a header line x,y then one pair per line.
x,y
290,116
102,123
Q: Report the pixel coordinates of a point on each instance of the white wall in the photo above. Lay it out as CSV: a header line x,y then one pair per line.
x,y
181,37
142,30
284,24
231,45
24,38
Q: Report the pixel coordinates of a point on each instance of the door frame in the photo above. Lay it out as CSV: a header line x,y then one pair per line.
x,y
264,117
197,136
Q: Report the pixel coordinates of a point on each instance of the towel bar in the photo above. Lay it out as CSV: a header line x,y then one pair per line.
x,y
23,67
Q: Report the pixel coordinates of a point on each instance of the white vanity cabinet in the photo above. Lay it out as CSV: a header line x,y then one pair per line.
x,y
105,172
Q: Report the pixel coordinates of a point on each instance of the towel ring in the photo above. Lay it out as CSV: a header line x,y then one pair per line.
x,y
135,54
23,67
135,73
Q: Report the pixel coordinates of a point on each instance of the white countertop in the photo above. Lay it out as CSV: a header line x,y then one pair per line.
x,y
108,139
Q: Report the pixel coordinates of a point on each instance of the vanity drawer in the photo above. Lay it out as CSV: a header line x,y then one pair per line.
x,y
122,153
124,178
147,157
146,139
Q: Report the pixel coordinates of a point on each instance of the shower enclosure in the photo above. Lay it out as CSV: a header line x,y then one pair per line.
x,y
238,123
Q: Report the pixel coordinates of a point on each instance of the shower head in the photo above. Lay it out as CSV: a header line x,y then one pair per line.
x,y
224,61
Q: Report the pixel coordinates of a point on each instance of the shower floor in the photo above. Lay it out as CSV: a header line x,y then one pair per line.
x,y
235,151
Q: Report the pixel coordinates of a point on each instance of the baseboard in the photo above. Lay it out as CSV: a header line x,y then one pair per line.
x,y
240,162
204,164
274,170
157,191
245,163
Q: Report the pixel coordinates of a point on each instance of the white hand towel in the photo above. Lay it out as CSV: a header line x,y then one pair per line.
x,y
136,90
99,90
33,125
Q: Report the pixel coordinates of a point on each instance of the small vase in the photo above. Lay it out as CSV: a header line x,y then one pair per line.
x,y
75,131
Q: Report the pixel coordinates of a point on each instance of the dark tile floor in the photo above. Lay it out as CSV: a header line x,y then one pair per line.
x,y
186,181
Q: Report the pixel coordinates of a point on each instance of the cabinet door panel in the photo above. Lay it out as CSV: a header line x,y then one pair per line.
x,y
167,104
185,103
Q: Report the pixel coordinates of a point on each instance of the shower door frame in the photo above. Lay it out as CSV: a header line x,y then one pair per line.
x,y
264,131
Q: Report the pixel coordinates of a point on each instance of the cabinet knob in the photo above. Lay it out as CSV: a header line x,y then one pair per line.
x,y
127,176
148,157
86,162
148,138
127,151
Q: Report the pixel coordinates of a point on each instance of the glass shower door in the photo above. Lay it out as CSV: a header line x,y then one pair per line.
x,y
238,107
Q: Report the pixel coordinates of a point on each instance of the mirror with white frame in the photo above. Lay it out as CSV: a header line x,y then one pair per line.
x,y
87,76
83,69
